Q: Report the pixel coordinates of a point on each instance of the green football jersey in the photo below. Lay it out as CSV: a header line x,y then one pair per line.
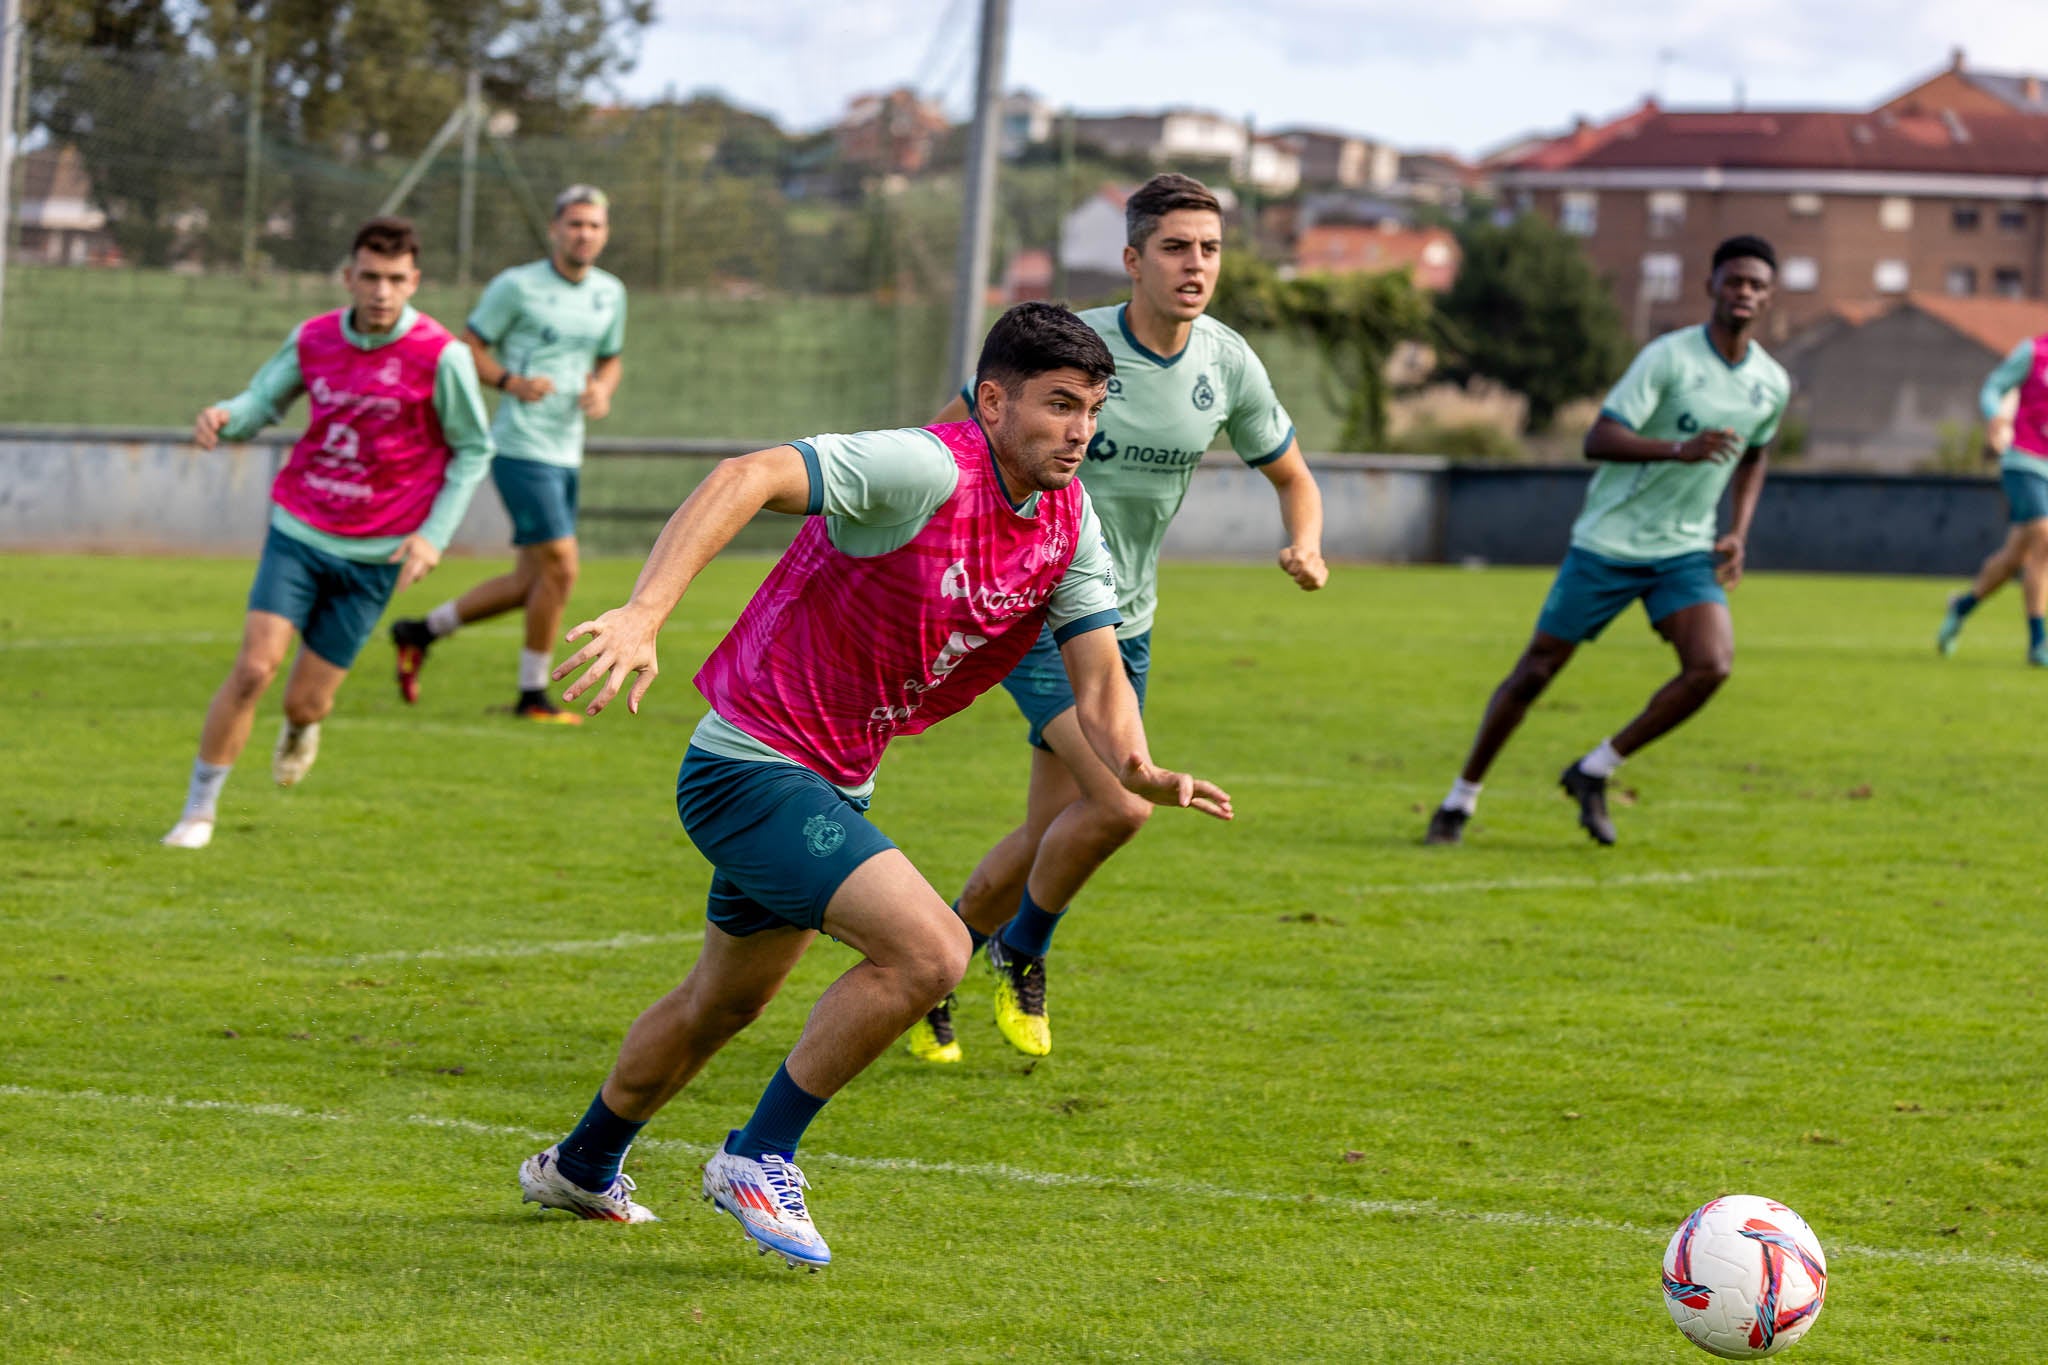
x,y
540,323
1163,414
1678,386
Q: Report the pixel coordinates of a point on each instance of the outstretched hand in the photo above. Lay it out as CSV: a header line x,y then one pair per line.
x,y
621,644
1163,787
1729,550
1305,567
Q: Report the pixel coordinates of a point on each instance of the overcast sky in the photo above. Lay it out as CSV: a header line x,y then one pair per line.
x,y
1464,74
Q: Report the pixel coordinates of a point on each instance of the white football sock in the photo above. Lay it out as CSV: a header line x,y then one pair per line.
x,y
1464,796
202,797
533,669
444,620
1602,761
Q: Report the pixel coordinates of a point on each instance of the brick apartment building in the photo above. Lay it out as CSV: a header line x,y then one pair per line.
x,y
1943,188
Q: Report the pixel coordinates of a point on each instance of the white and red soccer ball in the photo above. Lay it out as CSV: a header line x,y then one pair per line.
x,y
1744,1277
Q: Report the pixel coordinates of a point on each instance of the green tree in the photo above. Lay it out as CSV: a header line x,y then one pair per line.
x,y
1356,321
1528,311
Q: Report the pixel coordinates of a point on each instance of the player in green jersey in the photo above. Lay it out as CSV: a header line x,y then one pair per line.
x,y
1181,378
549,336
1695,411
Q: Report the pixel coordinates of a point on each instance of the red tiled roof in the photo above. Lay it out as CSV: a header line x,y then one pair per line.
x,y
1345,248
1995,324
1808,140
1559,152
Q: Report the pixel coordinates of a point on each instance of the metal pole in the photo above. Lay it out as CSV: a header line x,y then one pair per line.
x,y
10,59
1059,233
465,223
972,282
252,159
665,223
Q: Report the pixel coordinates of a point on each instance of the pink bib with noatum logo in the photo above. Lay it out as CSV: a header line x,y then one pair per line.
x,y
373,457
835,654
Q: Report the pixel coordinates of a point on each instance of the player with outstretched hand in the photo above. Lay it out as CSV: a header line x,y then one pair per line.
x,y
932,559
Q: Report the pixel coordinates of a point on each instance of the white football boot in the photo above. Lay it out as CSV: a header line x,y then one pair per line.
x,y
544,1184
296,751
189,832
767,1197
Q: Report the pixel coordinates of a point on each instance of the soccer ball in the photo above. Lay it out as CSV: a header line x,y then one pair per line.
x,y
1744,1277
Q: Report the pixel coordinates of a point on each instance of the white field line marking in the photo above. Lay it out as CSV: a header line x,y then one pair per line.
x,y
203,637
616,943
1705,874
1019,1175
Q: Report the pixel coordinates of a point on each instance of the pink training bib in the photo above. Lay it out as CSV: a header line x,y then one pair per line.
x,y
835,655
372,460
2030,423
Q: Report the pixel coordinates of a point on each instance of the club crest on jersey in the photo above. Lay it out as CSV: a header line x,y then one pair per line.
x,y
1204,396
1756,395
1116,387
1056,544
549,336
393,372
1688,423
823,835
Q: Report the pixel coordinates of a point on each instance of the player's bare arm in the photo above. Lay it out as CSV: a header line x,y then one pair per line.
x,y
1301,513
596,398
492,375
1108,712
955,411
1745,489
622,640
1611,441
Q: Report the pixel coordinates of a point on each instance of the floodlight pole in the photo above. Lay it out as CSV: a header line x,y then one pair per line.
x,y
983,144
465,223
10,66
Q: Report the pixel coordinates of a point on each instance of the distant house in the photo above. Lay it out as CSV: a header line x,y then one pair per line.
x,y
890,134
1886,385
1027,121
1333,160
1173,135
1271,165
1440,178
1962,90
1092,245
58,222
1431,254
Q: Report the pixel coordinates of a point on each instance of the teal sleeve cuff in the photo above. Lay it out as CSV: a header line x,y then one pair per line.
x,y
1276,452
485,337
1611,415
816,474
1092,621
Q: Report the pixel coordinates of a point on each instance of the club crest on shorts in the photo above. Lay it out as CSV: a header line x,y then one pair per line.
x,y
823,835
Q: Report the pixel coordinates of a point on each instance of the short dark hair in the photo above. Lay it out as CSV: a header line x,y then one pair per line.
x,y
387,237
1747,245
1033,338
1159,196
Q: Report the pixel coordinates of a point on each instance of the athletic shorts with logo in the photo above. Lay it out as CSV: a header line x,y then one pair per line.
x,y
539,497
780,839
1591,590
334,602
1042,690
2026,492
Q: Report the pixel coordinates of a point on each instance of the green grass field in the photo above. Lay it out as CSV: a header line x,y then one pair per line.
x,y
1319,1093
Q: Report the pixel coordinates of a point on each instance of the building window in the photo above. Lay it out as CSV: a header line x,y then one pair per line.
x,y
2012,217
1804,205
1962,280
1895,213
1890,277
1579,212
1667,212
1800,274
1662,275
1965,217
2009,282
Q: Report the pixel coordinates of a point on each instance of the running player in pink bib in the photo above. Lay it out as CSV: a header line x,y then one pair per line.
x,y
2020,445
396,441
933,559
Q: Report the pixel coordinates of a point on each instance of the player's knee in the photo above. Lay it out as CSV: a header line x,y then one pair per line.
x,y
1120,822
1532,674
1706,675
558,566
307,710
936,966
251,676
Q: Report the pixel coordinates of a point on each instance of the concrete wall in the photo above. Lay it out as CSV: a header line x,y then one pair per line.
x,y
150,492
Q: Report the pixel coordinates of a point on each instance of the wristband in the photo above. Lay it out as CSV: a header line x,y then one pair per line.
x,y
1678,450
504,378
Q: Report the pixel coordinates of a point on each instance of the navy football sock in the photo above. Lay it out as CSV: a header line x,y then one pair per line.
x,y
1030,929
1964,603
2036,635
595,1149
779,1120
